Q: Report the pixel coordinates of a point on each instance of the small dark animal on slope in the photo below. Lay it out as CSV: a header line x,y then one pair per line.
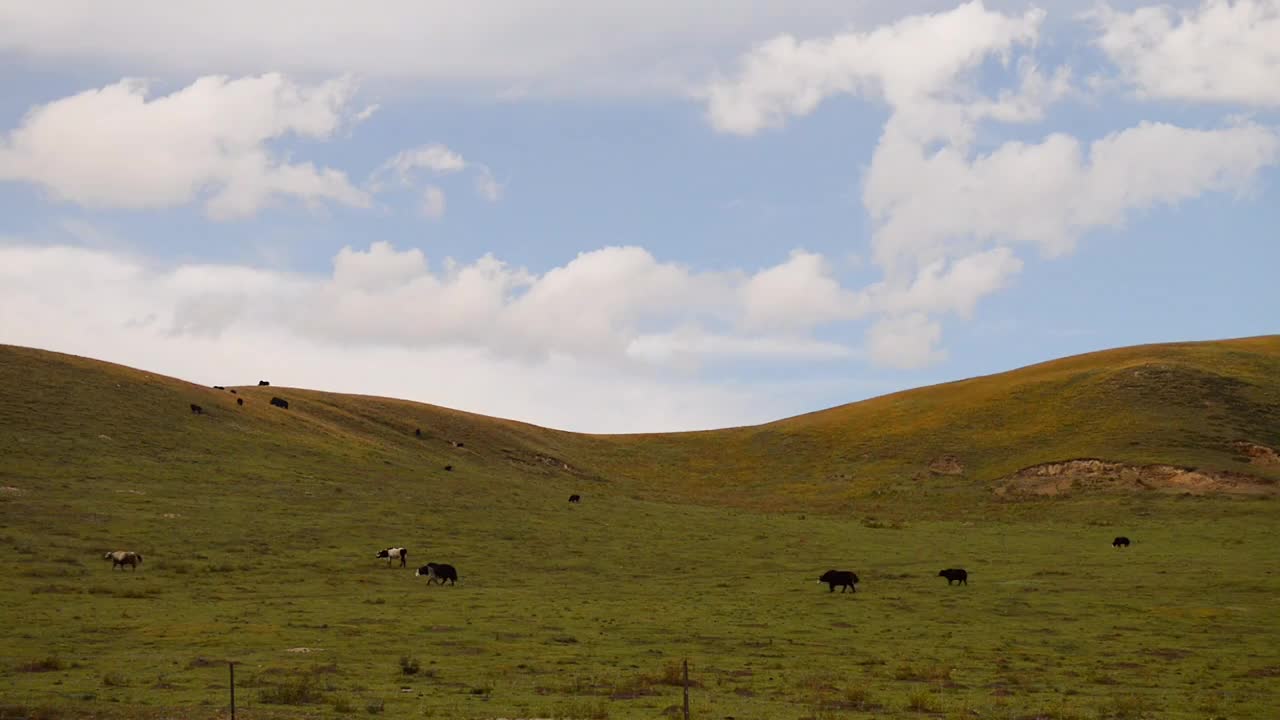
x,y
239,401
280,402
840,578
263,383
417,432
448,468
955,575
218,387
395,553
233,392
1120,542
438,572
196,409
575,498
122,558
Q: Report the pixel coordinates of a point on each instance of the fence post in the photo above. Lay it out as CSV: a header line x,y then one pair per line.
x,y
232,667
686,689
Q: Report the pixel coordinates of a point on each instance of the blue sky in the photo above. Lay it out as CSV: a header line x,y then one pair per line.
x,y
649,218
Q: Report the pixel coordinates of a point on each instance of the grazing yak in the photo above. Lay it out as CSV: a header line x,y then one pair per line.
x,y
438,572
1120,542
842,578
395,553
263,383
575,498
955,575
196,409
240,401
122,558
218,387
280,403
417,432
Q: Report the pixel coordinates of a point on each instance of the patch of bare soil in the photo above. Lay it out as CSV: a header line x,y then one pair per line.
x,y
1093,475
1258,454
946,465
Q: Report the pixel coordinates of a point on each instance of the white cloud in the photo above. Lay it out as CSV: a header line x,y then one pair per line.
x,y
115,148
931,206
433,202
945,216
801,292
487,185
912,62
956,287
1221,52
614,305
408,166
513,47
433,158
906,341
574,347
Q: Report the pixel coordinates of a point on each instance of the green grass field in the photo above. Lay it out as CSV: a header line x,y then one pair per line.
x,y
258,528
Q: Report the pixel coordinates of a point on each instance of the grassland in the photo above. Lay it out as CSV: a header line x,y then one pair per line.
x,y
258,528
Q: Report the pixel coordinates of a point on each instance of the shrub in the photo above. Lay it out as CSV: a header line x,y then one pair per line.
x,y
922,701
52,663
296,692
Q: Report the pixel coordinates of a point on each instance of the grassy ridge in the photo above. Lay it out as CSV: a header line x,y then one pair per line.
x,y
258,527
1183,404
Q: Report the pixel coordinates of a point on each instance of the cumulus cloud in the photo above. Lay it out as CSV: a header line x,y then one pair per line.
x,y
616,305
116,147
610,341
914,61
945,215
929,206
1223,51
905,341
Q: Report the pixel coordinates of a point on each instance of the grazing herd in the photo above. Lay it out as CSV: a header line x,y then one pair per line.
x,y
846,580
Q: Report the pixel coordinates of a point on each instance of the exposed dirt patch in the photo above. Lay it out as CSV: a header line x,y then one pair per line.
x,y
1258,454
11,490
1093,475
946,465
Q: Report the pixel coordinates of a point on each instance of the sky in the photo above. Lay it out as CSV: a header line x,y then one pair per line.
x,y
634,216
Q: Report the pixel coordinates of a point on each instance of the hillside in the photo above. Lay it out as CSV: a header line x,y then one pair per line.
x,y
1213,406
259,528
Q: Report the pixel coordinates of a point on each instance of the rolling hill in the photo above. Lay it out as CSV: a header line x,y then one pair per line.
x,y
259,527
1209,406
